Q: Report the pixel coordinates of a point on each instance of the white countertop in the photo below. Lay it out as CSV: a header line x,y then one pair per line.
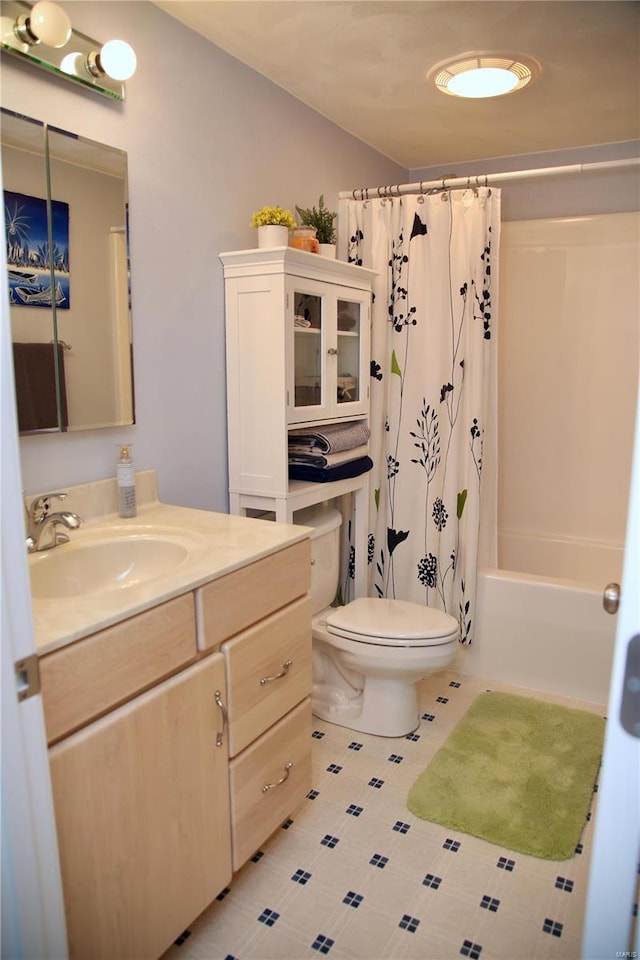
x,y
220,544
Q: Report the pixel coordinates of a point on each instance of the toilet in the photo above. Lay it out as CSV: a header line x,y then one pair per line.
x,y
369,654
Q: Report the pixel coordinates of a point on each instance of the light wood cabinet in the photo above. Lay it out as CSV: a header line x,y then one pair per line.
x,y
142,813
142,718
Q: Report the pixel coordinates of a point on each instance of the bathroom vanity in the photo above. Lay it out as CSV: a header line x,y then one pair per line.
x,y
178,720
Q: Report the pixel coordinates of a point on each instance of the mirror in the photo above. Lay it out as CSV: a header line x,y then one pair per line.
x,y
65,203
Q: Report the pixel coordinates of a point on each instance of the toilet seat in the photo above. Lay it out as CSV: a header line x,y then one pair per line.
x,y
392,623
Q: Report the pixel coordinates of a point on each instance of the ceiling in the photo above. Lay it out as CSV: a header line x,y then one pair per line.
x,y
363,64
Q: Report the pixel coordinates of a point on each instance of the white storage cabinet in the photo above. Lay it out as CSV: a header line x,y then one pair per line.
x,y
298,353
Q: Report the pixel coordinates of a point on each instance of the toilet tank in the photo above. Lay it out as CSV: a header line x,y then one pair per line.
x,y
325,552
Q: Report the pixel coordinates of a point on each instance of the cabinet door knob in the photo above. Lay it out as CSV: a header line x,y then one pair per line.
x,y
272,786
223,711
332,351
278,676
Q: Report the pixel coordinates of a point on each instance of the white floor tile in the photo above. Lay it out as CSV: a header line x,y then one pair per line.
x,y
355,875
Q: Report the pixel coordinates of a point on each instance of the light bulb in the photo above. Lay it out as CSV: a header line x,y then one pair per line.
x,y
49,23
72,63
483,82
118,59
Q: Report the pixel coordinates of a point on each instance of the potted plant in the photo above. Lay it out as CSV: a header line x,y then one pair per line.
x,y
273,225
322,219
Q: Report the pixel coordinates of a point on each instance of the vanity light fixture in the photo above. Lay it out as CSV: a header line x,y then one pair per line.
x,y
42,35
482,75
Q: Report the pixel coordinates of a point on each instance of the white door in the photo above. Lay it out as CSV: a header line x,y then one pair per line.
x,y
609,928
32,909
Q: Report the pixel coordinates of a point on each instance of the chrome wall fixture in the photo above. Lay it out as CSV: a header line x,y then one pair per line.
x,y
42,35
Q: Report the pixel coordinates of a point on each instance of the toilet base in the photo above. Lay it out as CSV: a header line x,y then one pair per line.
x,y
385,708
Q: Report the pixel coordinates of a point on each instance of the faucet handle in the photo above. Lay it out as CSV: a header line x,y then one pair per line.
x,y
38,507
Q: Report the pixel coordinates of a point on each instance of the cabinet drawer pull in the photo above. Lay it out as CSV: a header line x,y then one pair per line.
x,y
278,676
271,786
223,710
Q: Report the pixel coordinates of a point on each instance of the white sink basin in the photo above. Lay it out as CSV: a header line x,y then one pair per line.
x,y
96,566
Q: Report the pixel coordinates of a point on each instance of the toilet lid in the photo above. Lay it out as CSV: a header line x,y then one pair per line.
x,y
392,622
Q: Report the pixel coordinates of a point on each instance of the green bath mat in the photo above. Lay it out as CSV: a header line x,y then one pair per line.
x,y
515,771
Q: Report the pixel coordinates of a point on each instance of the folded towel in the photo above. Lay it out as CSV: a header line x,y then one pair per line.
x,y
327,459
330,438
343,471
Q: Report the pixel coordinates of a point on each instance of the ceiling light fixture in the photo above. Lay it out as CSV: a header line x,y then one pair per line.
x,y
42,35
482,75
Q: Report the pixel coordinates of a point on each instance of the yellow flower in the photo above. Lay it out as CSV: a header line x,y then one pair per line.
x,y
273,215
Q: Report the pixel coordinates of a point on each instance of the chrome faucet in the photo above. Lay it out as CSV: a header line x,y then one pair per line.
x,y
42,526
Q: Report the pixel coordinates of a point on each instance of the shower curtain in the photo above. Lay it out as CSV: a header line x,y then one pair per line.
x,y
433,392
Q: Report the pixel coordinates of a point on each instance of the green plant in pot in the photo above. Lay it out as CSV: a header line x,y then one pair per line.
x,y
322,219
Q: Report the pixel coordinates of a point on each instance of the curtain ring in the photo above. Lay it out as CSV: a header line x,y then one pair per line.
x,y
443,182
486,180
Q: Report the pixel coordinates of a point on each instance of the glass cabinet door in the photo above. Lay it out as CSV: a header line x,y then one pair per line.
x,y
329,359
308,350
348,324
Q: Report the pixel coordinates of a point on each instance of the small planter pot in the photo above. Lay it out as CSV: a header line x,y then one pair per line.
x,y
327,250
273,235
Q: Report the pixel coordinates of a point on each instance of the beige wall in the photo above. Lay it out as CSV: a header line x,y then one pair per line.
x,y
568,358
208,141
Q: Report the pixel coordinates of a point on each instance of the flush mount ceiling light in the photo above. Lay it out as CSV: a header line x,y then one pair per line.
x,y
42,35
481,75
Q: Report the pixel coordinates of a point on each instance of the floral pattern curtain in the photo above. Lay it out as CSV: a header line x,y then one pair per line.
x,y
433,392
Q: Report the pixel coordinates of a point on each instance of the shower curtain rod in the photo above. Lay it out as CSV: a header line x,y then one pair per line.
x,y
483,180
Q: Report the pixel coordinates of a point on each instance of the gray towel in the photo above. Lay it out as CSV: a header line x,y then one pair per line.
x,y
327,459
330,438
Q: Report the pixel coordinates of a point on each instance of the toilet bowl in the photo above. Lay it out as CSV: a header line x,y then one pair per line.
x,y
369,654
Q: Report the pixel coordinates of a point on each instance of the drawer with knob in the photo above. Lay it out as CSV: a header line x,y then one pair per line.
x,y
268,780
268,672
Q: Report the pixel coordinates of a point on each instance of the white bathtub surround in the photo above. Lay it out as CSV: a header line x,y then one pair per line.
x,y
569,351
550,635
433,392
590,562
354,875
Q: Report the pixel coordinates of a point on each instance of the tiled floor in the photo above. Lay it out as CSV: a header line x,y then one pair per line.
x,y
354,875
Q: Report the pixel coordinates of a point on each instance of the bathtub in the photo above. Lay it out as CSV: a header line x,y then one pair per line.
x,y
550,635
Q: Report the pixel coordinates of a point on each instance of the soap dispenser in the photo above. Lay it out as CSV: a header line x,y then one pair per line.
x,y
126,480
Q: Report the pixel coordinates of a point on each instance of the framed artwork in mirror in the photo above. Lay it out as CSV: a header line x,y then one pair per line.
x,y
32,253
